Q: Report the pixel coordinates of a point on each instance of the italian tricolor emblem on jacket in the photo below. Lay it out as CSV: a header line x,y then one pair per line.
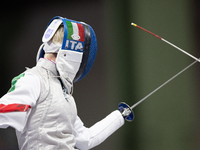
x,y
75,31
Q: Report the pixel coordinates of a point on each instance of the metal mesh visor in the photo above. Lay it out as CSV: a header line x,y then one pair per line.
x,y
89,53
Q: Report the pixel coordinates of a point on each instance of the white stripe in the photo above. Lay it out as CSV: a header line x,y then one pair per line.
x,y
75,28
75,34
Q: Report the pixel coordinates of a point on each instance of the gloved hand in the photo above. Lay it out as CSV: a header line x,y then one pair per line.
x,y
126,111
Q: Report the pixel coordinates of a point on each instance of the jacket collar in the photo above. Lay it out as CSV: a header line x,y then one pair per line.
x,y
49,65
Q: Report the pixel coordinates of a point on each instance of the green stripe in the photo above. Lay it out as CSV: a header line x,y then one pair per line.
x,y
69,30
14,81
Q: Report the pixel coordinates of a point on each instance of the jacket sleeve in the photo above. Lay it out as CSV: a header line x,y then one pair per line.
x,y
87,138
15,106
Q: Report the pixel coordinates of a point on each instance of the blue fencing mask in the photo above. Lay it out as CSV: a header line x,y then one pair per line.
x,y
76,53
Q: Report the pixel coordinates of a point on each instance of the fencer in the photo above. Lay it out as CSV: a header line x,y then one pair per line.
x,y
40,106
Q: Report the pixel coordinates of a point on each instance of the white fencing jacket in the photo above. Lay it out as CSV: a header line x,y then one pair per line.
x,y
45,117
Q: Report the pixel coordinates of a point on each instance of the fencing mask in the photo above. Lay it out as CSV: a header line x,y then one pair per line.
x,y
76,53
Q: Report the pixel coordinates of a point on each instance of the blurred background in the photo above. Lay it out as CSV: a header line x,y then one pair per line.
x,y
129,65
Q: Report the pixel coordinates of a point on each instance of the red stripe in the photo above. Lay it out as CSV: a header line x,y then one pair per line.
x,y
81,32
13,108
149,32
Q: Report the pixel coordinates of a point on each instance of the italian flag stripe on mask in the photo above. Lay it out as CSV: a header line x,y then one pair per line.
x,y
75,31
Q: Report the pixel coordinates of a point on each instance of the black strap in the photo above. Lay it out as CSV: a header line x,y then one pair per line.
x,y
86,52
